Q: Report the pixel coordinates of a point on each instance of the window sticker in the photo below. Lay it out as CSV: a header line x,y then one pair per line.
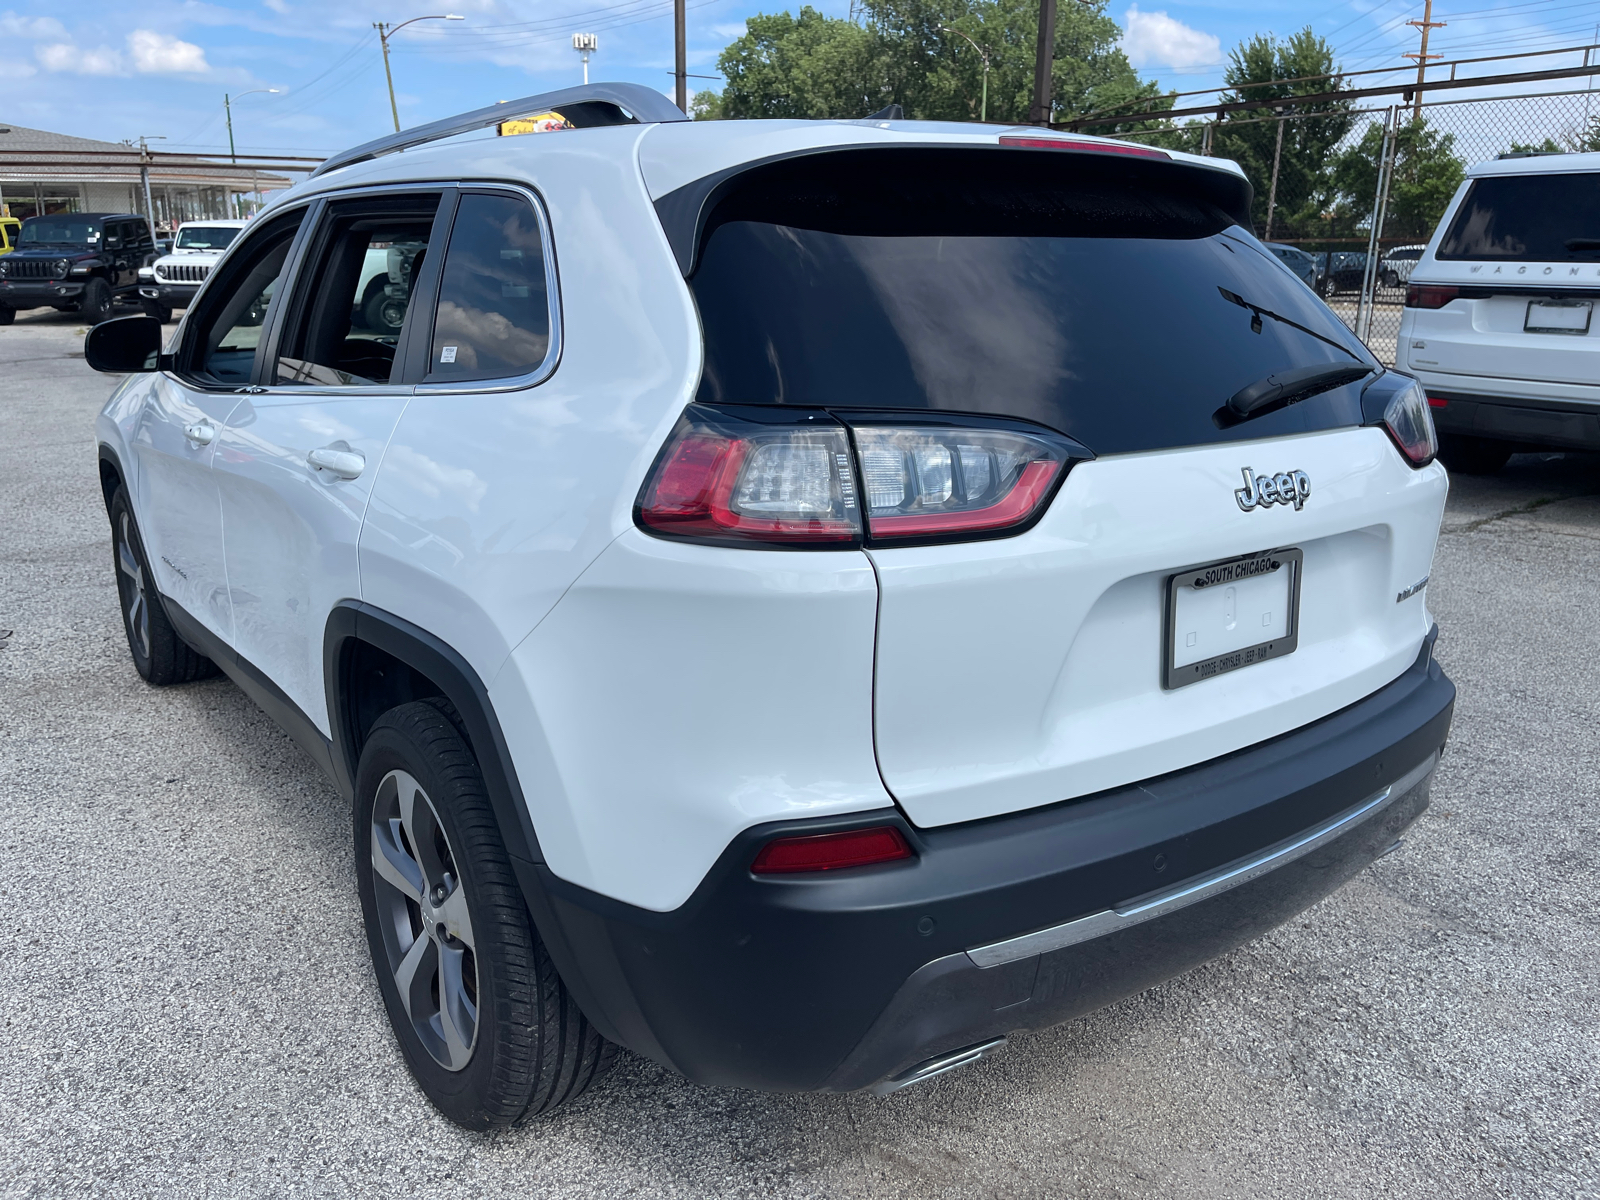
x,y
447,355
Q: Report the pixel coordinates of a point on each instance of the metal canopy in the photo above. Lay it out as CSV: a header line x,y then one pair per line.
x,y
590,105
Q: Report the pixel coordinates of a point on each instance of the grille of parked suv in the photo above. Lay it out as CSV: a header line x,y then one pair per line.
x,y
182,273
35,268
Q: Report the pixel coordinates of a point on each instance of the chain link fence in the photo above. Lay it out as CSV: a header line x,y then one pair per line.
x,y
1324,179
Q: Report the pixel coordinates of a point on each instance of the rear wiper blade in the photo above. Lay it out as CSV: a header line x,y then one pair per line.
x,y
1257,312
1283,388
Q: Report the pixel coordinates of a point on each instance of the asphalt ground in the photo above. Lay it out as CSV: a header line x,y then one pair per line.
x,y
189,1008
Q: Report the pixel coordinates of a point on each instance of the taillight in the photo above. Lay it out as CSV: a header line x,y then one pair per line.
x,y
788,478
831,851
773,478
1081,145
932,482
1429,295
1438,402
1410,424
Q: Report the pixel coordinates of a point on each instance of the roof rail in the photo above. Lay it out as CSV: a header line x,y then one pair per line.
x,y
590,105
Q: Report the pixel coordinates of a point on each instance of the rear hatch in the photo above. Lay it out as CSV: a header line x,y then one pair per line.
x,y
1514,282
1117,302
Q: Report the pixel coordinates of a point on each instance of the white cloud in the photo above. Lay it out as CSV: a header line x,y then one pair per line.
x,y
12,25
277,6
1157,40
160,54
64,56
735,30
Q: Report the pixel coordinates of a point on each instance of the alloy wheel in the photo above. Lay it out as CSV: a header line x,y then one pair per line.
x,y
427,928
135,604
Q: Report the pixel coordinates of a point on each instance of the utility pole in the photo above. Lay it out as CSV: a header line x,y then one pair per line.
x,y
385,32
1043,82
681,48
227,107
585,44
1421,54
144,179
1272,192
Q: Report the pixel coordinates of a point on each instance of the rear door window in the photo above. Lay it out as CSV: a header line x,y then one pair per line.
x,y
1028,284
354,292
494,312
1527,218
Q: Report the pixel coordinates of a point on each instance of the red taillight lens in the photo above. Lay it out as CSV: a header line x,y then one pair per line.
x,y
930,482
1410,424
729,480
1081,144
1428,295
831,851
1437,402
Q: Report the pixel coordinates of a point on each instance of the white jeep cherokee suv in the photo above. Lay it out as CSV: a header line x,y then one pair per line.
x,y
1499,318
173,279
798,599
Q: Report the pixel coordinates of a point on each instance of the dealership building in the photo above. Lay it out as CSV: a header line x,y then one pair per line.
x,y
43,172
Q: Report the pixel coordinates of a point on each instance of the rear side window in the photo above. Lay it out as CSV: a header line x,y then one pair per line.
x,y
493,319
1095,298
1527,218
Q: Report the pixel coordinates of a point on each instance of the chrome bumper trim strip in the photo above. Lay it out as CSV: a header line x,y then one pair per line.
x,y
1156,904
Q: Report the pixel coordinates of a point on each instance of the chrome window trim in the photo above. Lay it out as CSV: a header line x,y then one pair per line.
x,y
1159,904
552,283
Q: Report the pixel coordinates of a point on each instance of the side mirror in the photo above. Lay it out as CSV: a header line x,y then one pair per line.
x,y
124,345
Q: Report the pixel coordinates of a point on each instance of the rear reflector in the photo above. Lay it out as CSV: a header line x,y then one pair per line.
x,y
1081,145
831,851
1428,295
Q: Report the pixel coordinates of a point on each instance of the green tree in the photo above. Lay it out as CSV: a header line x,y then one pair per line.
x,y
817,66
1426,174
1283,69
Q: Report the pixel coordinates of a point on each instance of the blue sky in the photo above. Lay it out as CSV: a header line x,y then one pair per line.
x,y
161,67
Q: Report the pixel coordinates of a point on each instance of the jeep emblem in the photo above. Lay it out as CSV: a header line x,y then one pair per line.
x,y
1263,491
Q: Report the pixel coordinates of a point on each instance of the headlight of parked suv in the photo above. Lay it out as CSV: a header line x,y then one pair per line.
x,y
62,266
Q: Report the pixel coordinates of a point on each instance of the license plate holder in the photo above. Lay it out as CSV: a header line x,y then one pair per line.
x,y
1217,626
1570,317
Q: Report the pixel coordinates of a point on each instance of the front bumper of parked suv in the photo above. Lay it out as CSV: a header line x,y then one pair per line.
x,y
863,978
173,295
32,293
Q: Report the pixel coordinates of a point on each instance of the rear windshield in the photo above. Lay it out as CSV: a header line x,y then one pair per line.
x,y
1079,296
1528,218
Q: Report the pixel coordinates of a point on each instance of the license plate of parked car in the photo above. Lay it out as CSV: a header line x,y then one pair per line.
x,y
1230,614
1558,316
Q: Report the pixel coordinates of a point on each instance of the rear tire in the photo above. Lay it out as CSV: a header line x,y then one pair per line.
x,y
156,309
159,655
1473,456
488,1029
7,315
96,303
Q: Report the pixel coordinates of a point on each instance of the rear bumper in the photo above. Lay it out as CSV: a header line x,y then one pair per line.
x,y
1530,422
1018,922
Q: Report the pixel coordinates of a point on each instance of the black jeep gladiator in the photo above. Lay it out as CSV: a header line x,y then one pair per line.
x,y
76,262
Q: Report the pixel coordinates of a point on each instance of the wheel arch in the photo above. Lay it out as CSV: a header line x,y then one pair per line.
x,y
374,661
112,476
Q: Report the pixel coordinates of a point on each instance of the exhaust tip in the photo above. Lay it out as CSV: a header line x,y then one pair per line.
x,y
937,1066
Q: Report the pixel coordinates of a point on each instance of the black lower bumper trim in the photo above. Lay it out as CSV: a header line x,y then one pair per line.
x,y
841,981
1534,423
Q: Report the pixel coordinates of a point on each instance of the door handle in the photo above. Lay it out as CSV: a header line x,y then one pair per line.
x,y
337,459
200,433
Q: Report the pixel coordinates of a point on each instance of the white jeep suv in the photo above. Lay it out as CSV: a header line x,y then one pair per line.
x,y
798,599
173,279
1498,324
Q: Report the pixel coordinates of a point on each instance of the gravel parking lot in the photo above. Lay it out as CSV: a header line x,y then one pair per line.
x,y
189,1008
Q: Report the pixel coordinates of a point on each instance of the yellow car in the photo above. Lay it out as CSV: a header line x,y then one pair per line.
x,y
8,234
